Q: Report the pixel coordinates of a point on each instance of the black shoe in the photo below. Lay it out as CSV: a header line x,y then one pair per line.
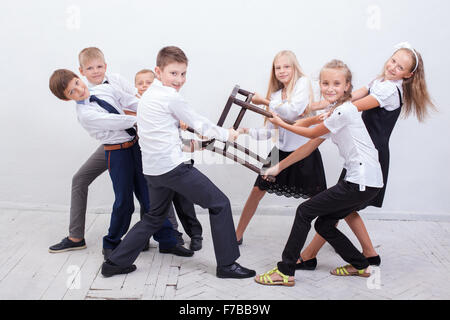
x,y
67,245
147,246
178,250
196,243
310,264
179,237
109,269
374,261
106,253
235,271
240,241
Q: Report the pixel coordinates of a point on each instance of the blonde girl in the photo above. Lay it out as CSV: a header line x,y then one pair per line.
x,y
361,183
289,93
400,88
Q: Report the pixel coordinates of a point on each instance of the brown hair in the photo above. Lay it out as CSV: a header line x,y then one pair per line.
x,y
338,64
87,54
415,93
59,81
143,71
170,54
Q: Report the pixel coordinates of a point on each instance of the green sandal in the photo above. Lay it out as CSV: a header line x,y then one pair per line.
x,y
343,272
265,279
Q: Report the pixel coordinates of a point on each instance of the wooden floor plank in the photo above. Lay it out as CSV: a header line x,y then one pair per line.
x,y
29,271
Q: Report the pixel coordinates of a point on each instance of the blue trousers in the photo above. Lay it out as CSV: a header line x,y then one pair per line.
x,y
125,170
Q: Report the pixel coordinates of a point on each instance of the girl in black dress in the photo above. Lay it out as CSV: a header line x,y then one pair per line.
x,y
289,94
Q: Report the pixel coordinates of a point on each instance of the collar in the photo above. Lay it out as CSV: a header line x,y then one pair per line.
x,y
85,101
160,84
157,83
91,85
398,83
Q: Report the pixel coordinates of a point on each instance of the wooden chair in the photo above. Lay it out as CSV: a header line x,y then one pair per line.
x,y
244,104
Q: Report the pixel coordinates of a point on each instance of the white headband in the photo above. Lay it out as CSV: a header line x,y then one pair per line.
x,y
406,45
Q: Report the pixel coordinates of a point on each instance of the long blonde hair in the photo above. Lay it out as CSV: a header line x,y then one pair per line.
x,y
416,98
275,85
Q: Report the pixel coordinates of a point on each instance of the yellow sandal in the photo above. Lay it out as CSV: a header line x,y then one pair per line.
x,y
343,272
265,279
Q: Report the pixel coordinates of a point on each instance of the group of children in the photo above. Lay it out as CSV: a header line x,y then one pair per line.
x,y
358,122
124,98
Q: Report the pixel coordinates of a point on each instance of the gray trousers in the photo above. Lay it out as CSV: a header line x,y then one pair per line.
x,y
197,188
88,172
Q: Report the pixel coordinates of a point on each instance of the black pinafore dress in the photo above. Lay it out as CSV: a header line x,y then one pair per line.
x,y
380,123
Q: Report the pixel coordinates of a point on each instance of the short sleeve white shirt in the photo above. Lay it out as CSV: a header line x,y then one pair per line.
x,y
348,132
386,93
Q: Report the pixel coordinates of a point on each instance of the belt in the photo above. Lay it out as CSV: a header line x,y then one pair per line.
x,y
125,145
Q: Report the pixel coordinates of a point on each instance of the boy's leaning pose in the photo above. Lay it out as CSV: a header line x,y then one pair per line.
x,y
100,112
93,67
167,170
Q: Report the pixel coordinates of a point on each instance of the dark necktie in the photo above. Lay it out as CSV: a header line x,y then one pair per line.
x,y
105,105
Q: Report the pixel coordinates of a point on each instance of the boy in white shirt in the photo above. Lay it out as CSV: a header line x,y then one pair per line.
x,y
167,170
100,112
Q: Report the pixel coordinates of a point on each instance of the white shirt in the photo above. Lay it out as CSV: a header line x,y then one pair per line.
x,y
108,128
348,132
289,110
160,109
118,82
386,93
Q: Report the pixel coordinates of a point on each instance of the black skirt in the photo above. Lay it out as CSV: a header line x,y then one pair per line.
x,y
303,179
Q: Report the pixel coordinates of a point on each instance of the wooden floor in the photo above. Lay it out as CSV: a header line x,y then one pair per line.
x,y
415,263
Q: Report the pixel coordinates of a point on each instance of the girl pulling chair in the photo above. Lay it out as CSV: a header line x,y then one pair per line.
x,y
362,181
289,94
400,86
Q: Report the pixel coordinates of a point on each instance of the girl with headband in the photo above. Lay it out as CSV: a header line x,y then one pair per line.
x,y
400,87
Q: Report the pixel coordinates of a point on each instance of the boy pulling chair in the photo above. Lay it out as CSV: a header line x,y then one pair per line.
x,y
167,171
100,112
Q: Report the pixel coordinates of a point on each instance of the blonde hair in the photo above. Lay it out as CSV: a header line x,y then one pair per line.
x,y
144,71
275,85
416,98
339,65
88,54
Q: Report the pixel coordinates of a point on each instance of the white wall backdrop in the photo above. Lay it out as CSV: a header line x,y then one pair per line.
x,y
228,42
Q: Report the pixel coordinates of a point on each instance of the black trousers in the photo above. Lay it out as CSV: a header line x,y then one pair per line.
x,y
186,213
197,188
328,207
